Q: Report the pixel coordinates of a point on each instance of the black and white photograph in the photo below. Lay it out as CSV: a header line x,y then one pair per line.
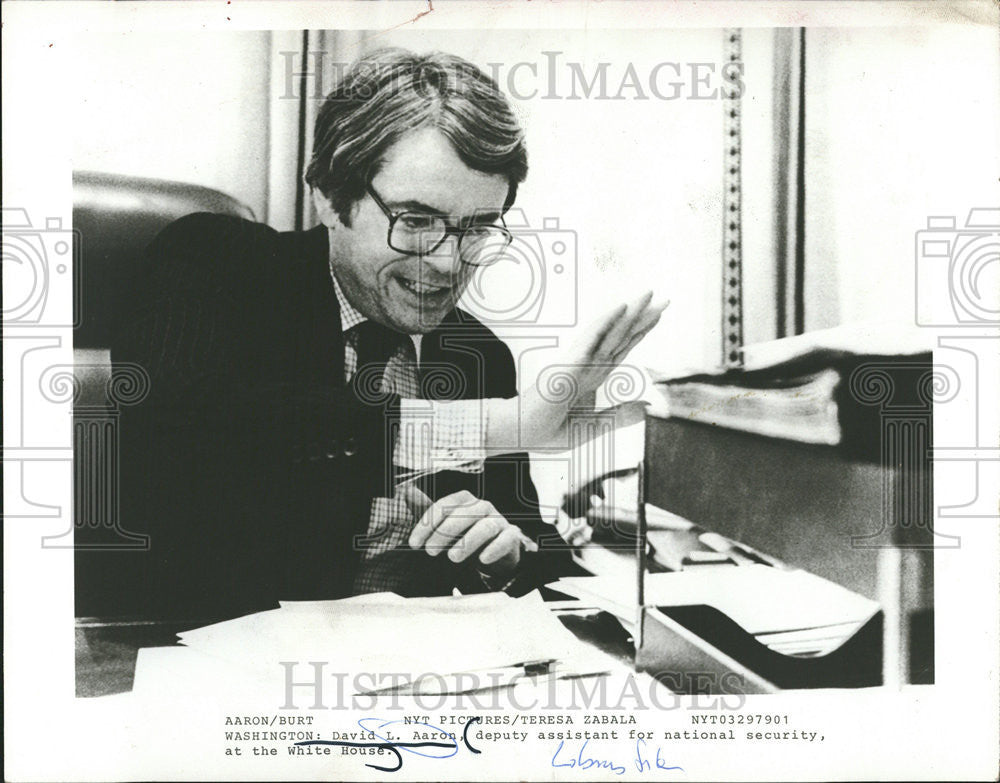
x,y
501,391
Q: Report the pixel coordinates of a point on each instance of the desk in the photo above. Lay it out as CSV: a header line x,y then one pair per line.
x,y
106,650
864,525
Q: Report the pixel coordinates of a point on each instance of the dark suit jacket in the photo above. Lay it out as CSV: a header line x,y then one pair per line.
x,y
251,464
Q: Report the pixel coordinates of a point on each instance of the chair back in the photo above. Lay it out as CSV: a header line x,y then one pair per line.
x,y
115,217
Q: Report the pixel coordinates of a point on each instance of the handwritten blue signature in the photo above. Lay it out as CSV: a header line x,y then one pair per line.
x,y
433,749
582,761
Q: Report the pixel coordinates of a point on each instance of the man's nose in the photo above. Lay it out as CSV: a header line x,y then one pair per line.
x,y
443,260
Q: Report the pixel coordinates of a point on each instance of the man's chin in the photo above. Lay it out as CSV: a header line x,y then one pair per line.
x,y
420,322
430,321
417,314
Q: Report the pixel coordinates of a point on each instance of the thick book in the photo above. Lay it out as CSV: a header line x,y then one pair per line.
x,y
829,388
801,408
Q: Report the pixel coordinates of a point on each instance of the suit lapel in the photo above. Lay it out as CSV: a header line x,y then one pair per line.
x,y
320,341
447,350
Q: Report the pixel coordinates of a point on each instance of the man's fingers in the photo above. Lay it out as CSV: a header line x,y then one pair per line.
x,y
649,318
601,328
640,310
504,544
461,523
435,514
642,326
634,341
616,333
416,500
623,328
626,349
659,307
478,536
623,324
644,319
455,524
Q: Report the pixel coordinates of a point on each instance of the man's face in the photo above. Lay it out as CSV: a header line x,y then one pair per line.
x,y
411,294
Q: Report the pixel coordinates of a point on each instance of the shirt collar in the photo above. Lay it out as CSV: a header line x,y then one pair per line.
x,y
351,316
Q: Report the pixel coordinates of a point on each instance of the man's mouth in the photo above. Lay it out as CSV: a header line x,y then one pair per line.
x,y
418,288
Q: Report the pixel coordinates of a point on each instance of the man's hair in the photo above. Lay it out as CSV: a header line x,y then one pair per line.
x,y
391,92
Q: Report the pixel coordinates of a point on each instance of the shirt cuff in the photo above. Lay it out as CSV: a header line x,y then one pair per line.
x,y
436,435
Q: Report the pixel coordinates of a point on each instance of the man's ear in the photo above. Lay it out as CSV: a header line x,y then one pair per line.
x,y
327,214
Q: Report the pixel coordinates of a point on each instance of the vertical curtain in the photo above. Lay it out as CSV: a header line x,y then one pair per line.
x,y
789,179
305,66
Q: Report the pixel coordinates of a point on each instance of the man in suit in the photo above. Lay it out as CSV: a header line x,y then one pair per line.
x,y
322,419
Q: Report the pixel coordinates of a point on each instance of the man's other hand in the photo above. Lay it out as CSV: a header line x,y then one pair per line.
x,y
538,418
467,528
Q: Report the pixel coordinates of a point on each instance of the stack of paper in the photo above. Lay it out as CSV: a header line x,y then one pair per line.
x,y
791,611
427,641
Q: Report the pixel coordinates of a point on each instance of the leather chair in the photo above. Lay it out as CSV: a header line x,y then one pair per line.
x,y
114,218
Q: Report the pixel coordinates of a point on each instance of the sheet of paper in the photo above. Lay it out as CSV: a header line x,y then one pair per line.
x,y
421,635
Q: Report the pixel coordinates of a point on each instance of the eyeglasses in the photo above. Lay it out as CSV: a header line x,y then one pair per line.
x,y
421,233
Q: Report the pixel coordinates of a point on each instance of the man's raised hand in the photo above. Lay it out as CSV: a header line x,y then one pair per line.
x,y
538,418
